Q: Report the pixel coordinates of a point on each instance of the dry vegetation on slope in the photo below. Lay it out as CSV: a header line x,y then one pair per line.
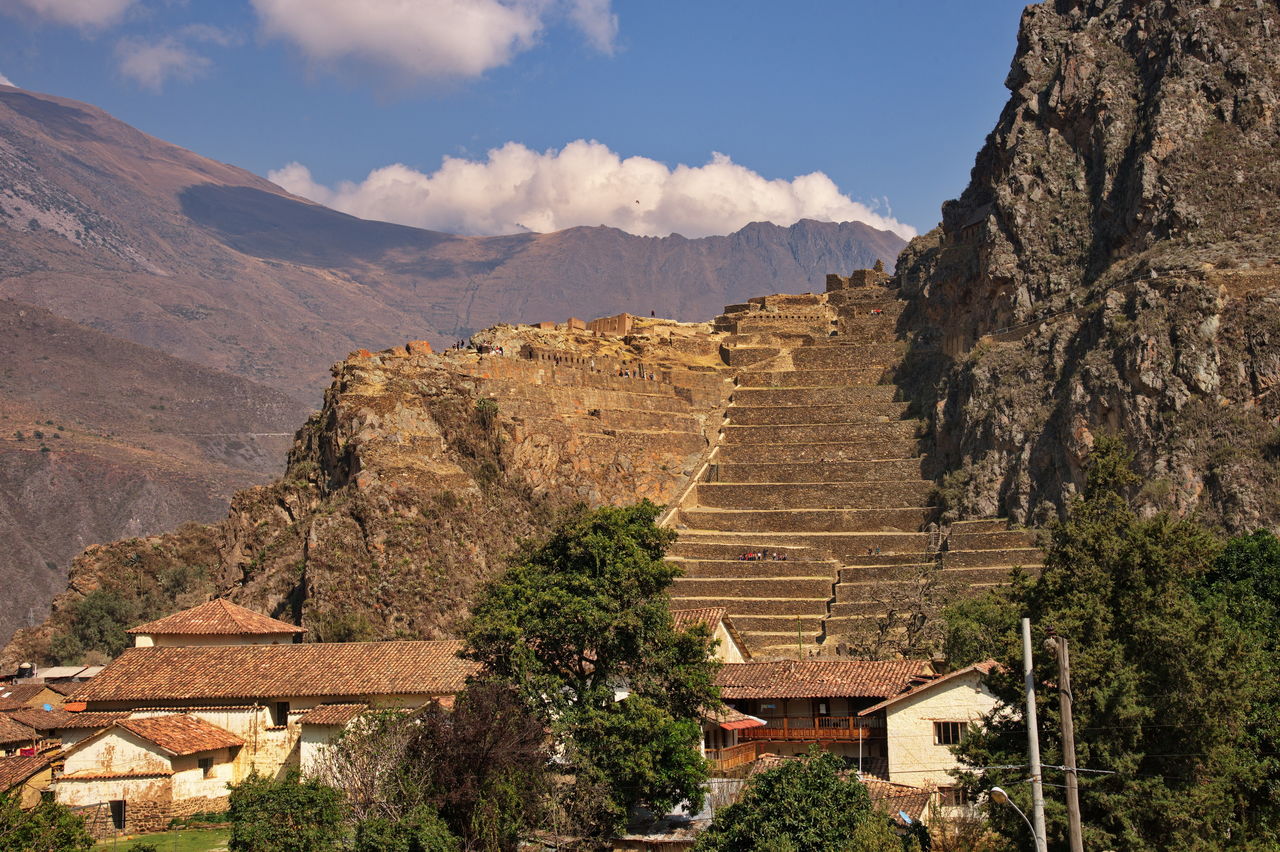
x,y
420,473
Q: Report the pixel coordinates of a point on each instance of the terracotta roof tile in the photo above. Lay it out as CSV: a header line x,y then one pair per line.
x,y
731,720
14,696
983,668
217,617
820,678
12,731
90,719
711,616
270,672
41,720
333,714
181,734
892,798
14,770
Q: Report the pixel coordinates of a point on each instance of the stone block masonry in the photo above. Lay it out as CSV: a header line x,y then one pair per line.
x,y
818,473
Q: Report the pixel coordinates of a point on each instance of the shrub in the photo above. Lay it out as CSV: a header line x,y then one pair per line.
x,y
290,815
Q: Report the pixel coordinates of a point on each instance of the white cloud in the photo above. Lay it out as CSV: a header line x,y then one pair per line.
x,y
584,183
90,14
151,65
5,81
597,21
428,38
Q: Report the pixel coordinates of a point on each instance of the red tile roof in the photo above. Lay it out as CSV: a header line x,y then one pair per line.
x,y
181,734
732,720
891,798
15,770
217,617
983,668
710,616
333,714
41,720
12,731
820,678
89,719
14,696
270,672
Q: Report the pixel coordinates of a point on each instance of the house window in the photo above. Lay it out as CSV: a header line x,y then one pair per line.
x,y
206,766
117,813
949,733
280,714
952,797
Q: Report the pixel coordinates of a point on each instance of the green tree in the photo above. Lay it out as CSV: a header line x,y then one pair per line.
x,y
48,827
289,815
98,623
1166,681
802,806
585,614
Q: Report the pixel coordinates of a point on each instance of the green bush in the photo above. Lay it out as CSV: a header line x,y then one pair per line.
x,y
420,830
48,827
290,815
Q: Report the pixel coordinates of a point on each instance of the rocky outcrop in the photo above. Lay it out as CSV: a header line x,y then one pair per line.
x,y
1112,266
422,472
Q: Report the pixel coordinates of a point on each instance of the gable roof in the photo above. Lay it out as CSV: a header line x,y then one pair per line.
x,y
13,731
218,617
14,696
15,770
711,616
820,678
271,672
983,668
181,734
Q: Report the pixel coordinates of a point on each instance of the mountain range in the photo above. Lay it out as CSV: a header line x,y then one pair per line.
x,y
177,318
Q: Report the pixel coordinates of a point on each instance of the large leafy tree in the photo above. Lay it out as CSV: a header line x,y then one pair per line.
x,y
807,805
1174,689
582,619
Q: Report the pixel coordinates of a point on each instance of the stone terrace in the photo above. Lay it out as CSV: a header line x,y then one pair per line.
x,y
819,463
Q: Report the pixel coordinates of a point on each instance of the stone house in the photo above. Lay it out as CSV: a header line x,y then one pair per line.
x,y
218,622
147,771
729,645
257,695
922,723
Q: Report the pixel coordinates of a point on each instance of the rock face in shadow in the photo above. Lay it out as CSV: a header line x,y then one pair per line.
x,y
1112,266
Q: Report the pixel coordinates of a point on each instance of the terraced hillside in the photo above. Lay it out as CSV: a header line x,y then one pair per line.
x,y
818,471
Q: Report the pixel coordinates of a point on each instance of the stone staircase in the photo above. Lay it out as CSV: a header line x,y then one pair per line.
x,y
819,466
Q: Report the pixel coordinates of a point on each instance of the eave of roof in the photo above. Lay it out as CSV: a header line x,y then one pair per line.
x,y
271,672
983,668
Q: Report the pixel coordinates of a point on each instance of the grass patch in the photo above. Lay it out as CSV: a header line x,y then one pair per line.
x,y
177,840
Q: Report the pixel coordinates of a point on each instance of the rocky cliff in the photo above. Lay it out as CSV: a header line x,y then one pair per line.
x,y
1113,266
420,473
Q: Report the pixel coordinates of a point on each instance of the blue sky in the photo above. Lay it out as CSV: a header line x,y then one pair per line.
x,y
889,100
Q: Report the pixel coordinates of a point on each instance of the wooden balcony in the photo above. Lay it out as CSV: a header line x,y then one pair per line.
x,y
817,729
724,759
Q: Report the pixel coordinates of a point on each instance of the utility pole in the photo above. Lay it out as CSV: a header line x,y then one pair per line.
x,y
1068,743
1033,741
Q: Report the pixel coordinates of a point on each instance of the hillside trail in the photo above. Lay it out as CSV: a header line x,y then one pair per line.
x,y
811,522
